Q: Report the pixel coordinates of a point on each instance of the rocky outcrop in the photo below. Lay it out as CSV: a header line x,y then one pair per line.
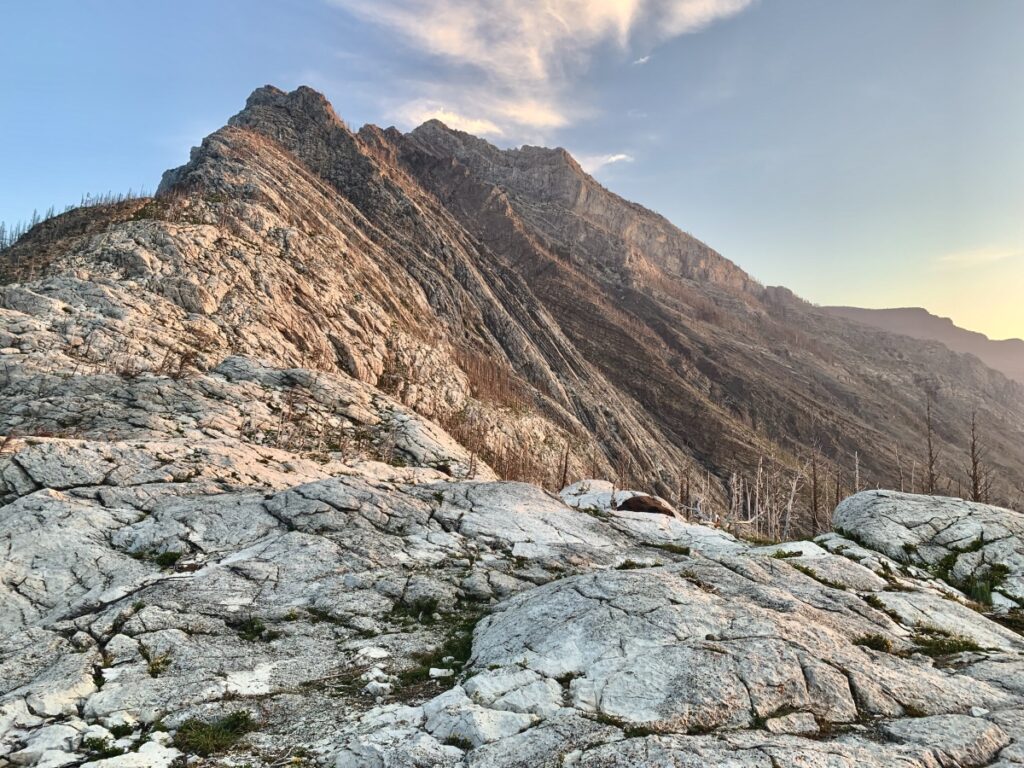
x,y
374,615
977,547
251,436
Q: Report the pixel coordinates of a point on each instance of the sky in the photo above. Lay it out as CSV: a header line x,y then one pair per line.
x,y
861,152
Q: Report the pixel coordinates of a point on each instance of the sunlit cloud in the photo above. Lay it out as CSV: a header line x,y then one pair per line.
x,y
511,65
418,112
594,163
641,61
978,257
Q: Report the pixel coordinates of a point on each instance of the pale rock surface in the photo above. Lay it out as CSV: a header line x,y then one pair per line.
x,y
224,493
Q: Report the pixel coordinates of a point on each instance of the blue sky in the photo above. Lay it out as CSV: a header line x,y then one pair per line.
x,y
864,152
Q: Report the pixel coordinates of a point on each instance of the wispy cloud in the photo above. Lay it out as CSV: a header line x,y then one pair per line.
x,y
977,257
512,64
594,163
641,61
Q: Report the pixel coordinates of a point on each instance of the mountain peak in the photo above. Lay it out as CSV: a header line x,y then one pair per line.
x,y
269,106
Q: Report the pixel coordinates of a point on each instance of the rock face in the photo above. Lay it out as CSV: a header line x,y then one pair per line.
x,y
504,294
245,518
977,547
367,615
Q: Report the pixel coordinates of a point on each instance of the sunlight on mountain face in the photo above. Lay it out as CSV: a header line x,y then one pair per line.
x,y
610,398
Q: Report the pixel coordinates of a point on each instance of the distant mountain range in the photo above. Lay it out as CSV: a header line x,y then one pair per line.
x,y
1006,356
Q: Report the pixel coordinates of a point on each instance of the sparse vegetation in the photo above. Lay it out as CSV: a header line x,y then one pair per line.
x,y
421,609
875,642
935,642
167,559
454,651
251,629
632,565
201,738
99,748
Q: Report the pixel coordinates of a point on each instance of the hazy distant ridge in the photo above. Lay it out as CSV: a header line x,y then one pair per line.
x,y
1006,356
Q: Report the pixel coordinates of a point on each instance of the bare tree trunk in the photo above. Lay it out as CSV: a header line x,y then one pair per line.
x,y
815,525
932,476
899,466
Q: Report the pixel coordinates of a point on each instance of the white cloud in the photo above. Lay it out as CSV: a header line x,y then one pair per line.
x,y
978,257
513,63
641,61
594,163
418,112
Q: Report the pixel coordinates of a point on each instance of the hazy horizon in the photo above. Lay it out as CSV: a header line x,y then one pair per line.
x,y
860,153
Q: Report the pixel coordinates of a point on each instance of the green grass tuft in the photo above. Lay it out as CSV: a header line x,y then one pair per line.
x,y
201,738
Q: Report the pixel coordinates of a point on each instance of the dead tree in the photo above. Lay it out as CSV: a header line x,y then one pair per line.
x,y
815,524
977,470
931,478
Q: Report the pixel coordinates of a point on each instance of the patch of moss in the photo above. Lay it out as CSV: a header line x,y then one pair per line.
x,y
782,554
201,738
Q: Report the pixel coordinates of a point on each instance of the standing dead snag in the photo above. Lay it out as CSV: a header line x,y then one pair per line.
x,y
978,473
931,478
815,524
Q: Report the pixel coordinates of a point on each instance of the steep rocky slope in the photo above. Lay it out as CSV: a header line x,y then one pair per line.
x,y
251,436
555,329
1005,355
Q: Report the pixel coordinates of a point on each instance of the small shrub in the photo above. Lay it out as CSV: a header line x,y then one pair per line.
x,y
204,739
167,559
159,665
457,741
875,602
875,642
631,565
783,555
675,549
100,748
122,730
251,629
936,642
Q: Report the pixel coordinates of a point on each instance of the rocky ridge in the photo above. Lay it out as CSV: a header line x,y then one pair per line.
x,y
240,523
540,318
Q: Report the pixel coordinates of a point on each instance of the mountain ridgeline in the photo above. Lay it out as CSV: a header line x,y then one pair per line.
x,y
553,328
